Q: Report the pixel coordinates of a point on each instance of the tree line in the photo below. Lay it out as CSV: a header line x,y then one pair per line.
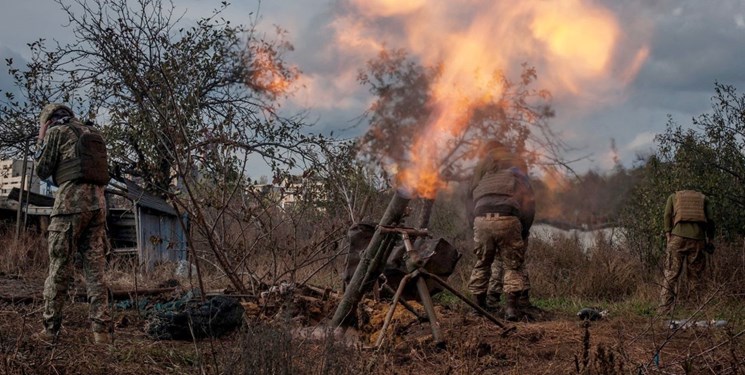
x,y
186,105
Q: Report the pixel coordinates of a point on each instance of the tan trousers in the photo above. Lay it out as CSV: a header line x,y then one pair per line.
x,y
682,253
499,238
83,234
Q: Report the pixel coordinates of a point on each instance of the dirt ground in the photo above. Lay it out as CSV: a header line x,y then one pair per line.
x,y
269,343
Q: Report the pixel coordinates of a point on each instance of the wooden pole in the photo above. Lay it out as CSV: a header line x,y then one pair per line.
x,y
20,196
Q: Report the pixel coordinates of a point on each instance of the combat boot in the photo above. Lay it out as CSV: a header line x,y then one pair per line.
x,y
523,303
511,311
479,299
492,301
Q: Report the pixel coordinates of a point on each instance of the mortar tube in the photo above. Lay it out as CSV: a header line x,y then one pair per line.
x,y
353,294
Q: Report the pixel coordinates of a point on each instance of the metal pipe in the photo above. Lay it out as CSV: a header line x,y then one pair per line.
x,y
478,308
392,309
434,325
406,305
354,291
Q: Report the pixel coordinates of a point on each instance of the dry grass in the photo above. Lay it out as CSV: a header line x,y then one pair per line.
x,y
561,268
626,342
23,256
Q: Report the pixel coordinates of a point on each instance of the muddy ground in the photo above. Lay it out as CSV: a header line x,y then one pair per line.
x,y
272,341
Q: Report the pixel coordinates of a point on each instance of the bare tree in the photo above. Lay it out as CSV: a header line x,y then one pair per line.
x,y
517,115
184,105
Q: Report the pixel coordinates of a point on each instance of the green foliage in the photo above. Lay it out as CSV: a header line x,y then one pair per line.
x,y
707,157
445,298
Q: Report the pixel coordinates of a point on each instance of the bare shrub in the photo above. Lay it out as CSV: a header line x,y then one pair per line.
x,y
726,266
560,268
554,266
267,349
25,256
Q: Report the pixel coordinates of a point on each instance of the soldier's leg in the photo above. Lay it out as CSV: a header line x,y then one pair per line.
x,y
60,240
92,249
479,281
512,249
496,282
695,266
673,267
485,251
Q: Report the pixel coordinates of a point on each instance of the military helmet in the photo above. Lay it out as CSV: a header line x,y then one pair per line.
x,y
49,109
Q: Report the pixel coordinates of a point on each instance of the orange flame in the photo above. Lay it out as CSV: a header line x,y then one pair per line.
x,y
267,74
572,43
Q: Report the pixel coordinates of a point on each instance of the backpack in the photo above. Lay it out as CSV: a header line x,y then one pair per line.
x,y
90,164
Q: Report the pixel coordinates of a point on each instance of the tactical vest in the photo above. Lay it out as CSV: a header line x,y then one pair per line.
x,y
689,206
90,164
501,182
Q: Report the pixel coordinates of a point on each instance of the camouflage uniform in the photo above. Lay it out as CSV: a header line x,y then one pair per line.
x,y
499,237
501,225
686,242
77,227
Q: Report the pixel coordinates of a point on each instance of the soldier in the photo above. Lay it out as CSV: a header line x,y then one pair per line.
x,y
74,156
689,230
526,216
502,206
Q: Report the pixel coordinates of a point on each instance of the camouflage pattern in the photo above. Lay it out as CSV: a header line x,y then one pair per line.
x,y
72,197
496,281
85,234
48,110
77,227
682,253
499,237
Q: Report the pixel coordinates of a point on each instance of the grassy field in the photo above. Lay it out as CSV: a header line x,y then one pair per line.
x,y
632,339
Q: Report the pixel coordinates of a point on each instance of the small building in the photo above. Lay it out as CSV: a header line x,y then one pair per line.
x,y
139,223
148,226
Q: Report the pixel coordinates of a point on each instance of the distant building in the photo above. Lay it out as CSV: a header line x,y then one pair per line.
x,y
290,191
10,176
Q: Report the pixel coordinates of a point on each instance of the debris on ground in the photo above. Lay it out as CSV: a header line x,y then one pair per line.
x,y
591,314
690,323
215,317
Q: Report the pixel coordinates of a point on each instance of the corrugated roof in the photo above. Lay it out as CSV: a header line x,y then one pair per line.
x,y
33,198
145,199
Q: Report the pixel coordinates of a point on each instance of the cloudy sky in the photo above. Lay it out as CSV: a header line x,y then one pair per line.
x,y
616,68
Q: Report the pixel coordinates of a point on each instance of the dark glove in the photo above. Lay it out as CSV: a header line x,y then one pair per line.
x,y
525,234
709,248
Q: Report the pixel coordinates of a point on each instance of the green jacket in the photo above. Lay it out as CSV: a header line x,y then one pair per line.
x,y
71,197
693,230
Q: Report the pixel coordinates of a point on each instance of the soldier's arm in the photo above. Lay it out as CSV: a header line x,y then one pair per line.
x,y
710,226
668,219
478,173
526,198
47,158
529,207
469,206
